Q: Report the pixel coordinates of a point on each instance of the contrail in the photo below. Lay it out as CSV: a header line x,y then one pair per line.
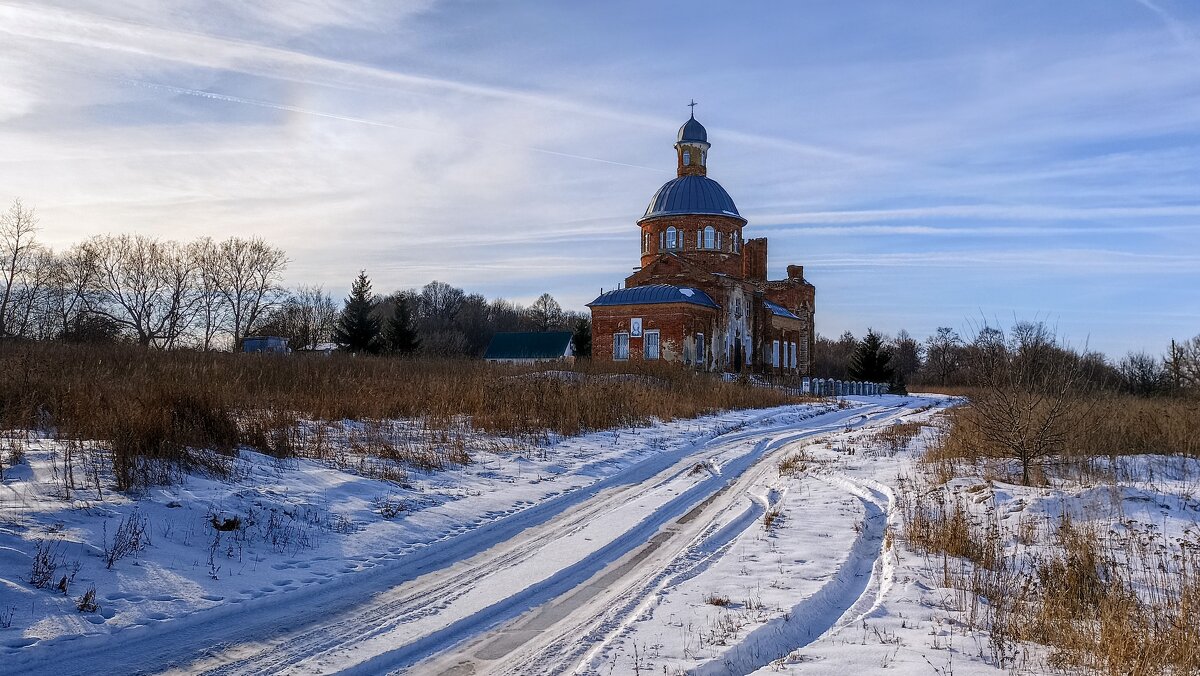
x,y
1178,29
361,120
218,53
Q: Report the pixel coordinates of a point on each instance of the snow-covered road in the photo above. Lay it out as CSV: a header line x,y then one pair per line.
x,y
541,590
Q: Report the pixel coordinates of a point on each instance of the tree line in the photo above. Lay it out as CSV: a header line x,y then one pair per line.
x,y
947,359
442,320
206,294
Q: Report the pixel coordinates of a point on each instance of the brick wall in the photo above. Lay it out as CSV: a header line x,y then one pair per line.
x,y
724,260
675,322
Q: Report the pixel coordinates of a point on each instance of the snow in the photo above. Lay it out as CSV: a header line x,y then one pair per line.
x,y
688,292
627,551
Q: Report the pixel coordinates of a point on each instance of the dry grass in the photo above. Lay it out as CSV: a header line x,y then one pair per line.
x,y
715,599
1120,600
1124,601
1109,426
156,413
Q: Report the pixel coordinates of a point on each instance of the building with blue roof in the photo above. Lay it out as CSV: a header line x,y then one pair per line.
x,y
701,295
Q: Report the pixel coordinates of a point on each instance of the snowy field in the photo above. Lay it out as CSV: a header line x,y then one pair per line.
x,y
747,542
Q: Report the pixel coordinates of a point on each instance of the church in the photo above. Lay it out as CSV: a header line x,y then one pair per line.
x,y
700,295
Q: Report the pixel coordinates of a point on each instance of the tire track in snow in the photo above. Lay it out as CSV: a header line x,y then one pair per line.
x,y
567,649
377,619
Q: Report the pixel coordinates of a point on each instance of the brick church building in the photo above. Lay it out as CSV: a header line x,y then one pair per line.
x,y
701,296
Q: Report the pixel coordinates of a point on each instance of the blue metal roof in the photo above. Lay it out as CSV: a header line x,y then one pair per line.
x,y
779,310
691,195
692,131
654,293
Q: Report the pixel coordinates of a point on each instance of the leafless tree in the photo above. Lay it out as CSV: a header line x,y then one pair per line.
x,y
306,318
546,312
142,284
906,355
18,244
1027,400
212,312
1183,365
249,276
72,286
943,354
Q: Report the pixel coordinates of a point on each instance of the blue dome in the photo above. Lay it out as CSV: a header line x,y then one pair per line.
x,y
692,131
691,195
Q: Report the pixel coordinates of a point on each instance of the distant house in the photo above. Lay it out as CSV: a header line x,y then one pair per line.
x,y
270,344
530,347
324,349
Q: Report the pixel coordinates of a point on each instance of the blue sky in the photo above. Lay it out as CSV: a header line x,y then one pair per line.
x,y
928,168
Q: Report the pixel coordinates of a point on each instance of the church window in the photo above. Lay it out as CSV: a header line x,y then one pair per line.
x,y
775,353
737,241
701,358
718,241
687,158
703,156
709,237
673,238
621,346
650,345
793,349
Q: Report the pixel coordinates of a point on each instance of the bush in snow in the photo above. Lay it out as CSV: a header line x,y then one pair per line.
x,y
132,536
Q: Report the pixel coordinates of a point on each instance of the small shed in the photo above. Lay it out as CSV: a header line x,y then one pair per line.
x,y
530,347
269,344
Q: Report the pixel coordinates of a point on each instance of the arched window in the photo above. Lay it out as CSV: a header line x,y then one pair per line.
x,y
672,238
687,158
737,241
710,234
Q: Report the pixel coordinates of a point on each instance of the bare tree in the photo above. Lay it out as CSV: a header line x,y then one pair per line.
x,y
546,312
1183,365
72,286
943,354
249,277
306,318
212,312
18,243
906,355
142,284
1026,402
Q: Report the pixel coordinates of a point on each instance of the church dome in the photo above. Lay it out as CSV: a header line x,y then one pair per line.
x,y
691,195
692,131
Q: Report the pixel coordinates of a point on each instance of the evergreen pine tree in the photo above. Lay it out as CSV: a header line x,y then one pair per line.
x,y
583,338
398,335
870,361
357,329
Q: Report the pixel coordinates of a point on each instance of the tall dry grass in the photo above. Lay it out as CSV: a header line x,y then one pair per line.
x,y
155,409
1107,426
1117,600
1124,600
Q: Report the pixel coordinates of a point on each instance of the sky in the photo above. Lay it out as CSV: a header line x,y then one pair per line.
x,y
939,164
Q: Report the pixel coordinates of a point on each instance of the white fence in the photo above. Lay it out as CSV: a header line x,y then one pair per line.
x,y
828,387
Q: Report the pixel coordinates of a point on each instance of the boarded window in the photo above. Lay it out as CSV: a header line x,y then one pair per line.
x,y
650,345
620,346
